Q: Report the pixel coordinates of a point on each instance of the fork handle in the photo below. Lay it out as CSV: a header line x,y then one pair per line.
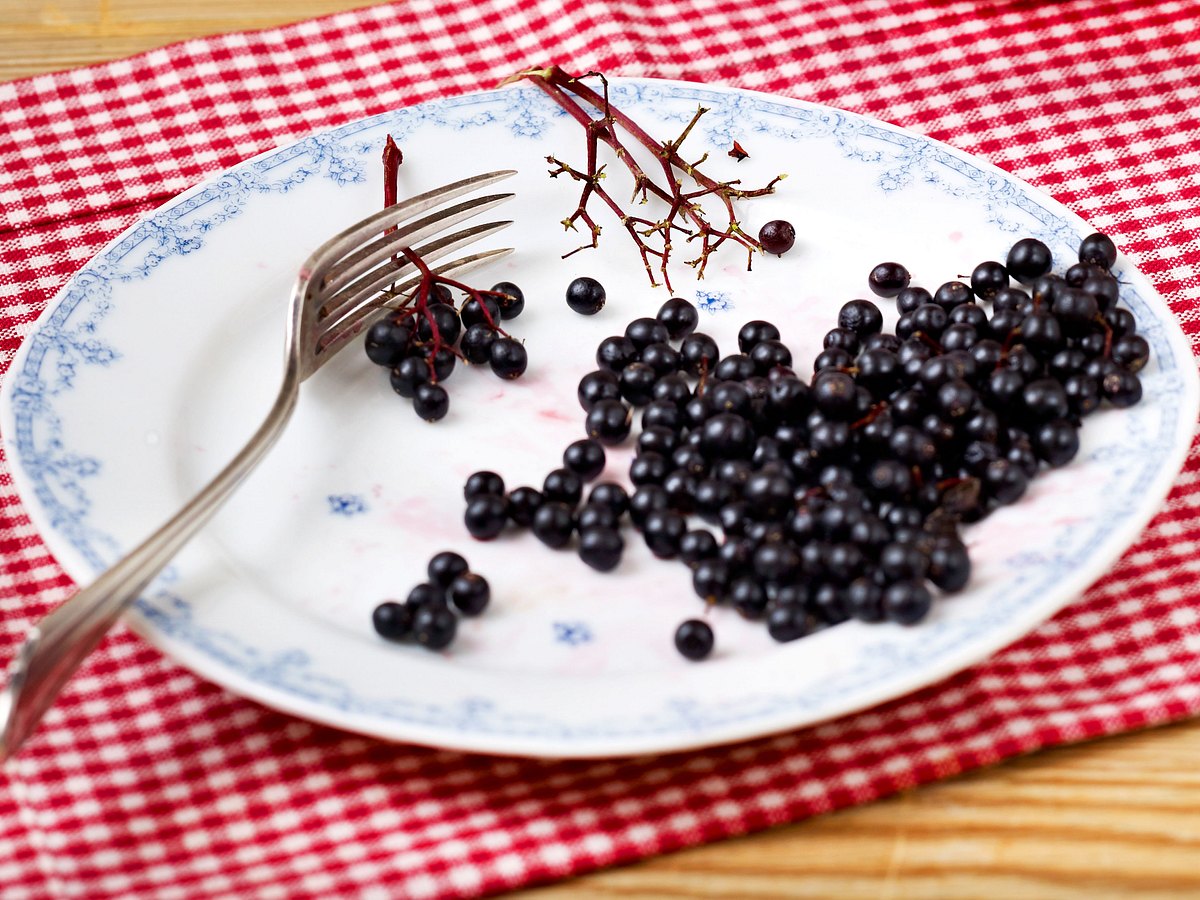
x,y
57,645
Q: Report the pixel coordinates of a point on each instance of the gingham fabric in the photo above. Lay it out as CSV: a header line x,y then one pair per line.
x,y
148,782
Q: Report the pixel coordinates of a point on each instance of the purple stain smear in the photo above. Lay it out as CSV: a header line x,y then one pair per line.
x,y
346,504
572,633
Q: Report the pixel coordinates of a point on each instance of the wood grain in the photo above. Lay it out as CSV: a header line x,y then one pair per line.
x,y
1111,819
38,36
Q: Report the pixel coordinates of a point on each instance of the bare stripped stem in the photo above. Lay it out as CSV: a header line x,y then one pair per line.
x,y
604,123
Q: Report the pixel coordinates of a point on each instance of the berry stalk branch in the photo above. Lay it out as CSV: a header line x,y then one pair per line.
x,y
603,123
417,304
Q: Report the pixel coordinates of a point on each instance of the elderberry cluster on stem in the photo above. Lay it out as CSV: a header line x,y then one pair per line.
x,y
423,340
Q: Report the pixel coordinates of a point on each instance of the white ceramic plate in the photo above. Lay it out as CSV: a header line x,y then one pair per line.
x,y
158,359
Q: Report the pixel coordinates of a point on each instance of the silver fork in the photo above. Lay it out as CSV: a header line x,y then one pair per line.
x,y
335,297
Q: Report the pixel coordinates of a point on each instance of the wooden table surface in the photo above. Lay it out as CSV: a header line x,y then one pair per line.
x,y
1113,818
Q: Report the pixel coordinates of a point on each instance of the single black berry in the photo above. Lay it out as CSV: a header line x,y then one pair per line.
x,y
615,353
910,298
888,279
610,494
407,374
434,626
679,317
1121,389
523,502
485,516
601,547
952,294
553,524
483,310
710,579
1056,442
771,354
949,565
645,500
609,421
637,382
1028,259
1131,351
387,341
444,567
735,367
663,359
601,384
586,296
906,602
748,597
663,531
698,353
1098,250
442,362
563,486
476,344
988,279
788,622
511,301
392,620
596,515
694,639
508,358
470,593
424,594
778,236
861,316
585,458
842,339
864,600
755,332
483,482
697,545
727,436
431,402
645,331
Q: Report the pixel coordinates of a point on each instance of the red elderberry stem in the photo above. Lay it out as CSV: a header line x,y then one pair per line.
x,y
568,92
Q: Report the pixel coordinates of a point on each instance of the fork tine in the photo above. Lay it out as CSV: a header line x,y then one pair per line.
x,y
367,257
367,314
346,241
340,304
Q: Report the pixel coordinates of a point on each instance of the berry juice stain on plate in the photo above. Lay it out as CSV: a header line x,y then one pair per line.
x,y
277,600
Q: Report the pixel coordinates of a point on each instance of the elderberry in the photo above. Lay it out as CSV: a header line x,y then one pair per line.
x,y
694,639
508,358
777,236
679,317
586,296
888,279
511,300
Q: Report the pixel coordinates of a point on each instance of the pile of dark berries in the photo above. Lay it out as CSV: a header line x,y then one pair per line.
x,y
428,616
839,496
421,344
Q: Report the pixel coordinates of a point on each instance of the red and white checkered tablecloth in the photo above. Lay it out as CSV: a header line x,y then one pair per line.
x,y
147,782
